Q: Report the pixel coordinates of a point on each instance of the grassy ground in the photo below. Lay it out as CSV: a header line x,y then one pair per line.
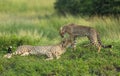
x,y
35,22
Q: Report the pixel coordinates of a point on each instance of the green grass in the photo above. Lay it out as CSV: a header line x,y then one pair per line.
x,y
35,22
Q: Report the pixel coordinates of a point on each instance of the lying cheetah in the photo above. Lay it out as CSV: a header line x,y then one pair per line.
x,y
50,51
76,30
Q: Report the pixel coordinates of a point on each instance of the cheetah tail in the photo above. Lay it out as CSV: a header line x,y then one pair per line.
x,y
107,46
104,46
9,49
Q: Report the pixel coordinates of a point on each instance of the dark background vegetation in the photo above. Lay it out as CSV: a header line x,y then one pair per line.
x,y
88,7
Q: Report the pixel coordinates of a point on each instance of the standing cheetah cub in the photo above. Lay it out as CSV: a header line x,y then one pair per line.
x,y
50,51
83,31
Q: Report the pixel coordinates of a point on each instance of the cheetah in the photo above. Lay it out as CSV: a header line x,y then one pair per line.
x,y
74,31
50,51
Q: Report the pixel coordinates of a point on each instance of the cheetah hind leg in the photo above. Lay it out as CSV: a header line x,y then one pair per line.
x,y
25,54
7,55
99,48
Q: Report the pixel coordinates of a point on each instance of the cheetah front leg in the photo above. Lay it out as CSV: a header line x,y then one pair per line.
x,y
49,55
74,43
57,57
